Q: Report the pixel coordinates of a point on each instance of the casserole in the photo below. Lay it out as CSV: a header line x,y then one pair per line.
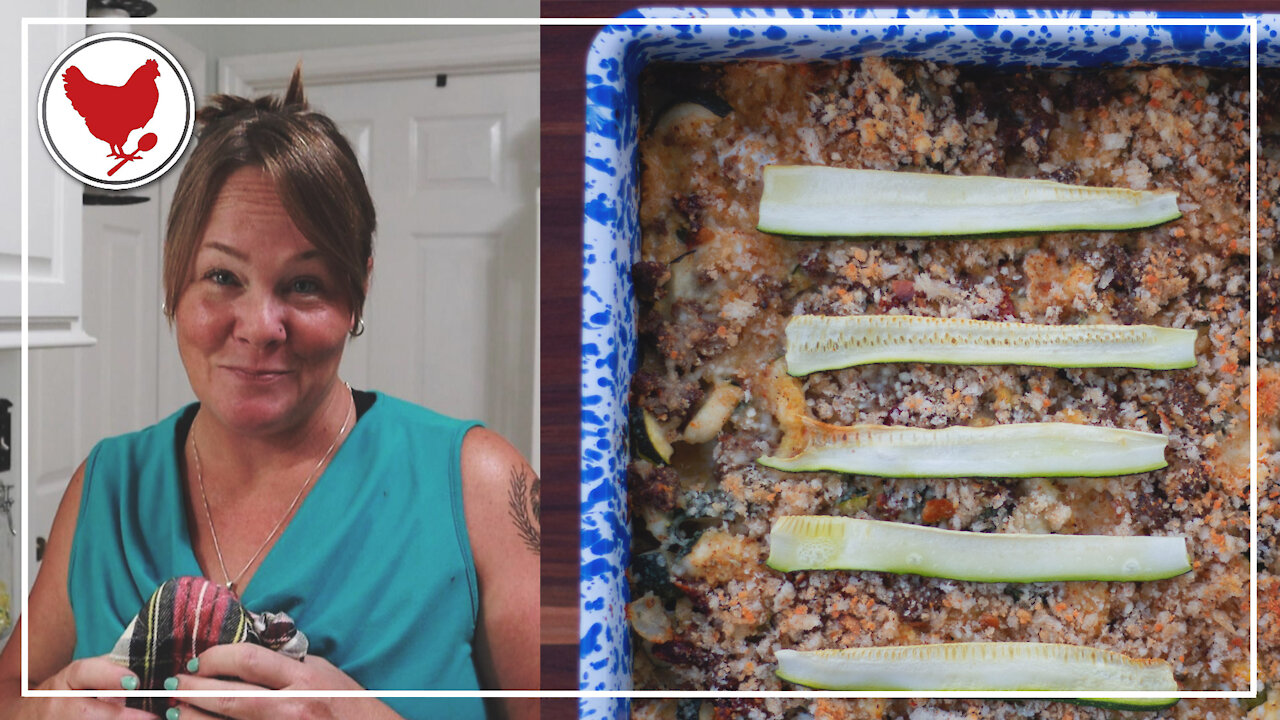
x,y
612,233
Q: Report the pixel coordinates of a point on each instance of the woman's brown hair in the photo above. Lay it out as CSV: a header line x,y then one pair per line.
x,y
315,173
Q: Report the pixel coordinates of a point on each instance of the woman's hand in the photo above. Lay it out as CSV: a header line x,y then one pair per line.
x,y
97,673
245,666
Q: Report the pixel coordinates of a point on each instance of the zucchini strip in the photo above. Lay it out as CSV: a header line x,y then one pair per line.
x,y
823,201
1155,703
821,342
815,542
1050,449
981,667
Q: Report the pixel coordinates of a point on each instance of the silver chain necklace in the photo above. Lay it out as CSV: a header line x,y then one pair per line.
x,y
195,450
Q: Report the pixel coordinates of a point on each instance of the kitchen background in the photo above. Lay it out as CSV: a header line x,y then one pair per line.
x,y
445,120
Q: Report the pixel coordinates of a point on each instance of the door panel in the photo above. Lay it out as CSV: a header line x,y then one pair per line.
x,y
453,359
456,151
451,312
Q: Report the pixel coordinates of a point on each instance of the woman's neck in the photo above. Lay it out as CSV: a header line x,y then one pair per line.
x,y
234,457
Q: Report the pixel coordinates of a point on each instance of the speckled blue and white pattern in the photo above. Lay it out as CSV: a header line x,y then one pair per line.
x,y
611,238
602,709
1268,40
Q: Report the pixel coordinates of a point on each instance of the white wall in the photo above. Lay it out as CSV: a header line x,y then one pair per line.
x,y
345,8
247,39
10,229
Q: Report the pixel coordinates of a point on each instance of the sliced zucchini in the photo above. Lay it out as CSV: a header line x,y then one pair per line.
x,y
1155,703
820,342
815,542
1256,701
826,201
1015,450
650,437
981,667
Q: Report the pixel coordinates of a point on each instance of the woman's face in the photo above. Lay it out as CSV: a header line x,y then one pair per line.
x,y
262,324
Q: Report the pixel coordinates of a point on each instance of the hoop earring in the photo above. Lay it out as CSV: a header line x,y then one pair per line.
x,y
359,329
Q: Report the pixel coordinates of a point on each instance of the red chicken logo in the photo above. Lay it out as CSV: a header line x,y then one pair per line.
x,y
123,90
112,113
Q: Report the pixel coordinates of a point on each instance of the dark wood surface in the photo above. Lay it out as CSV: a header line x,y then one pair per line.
x,y
563,68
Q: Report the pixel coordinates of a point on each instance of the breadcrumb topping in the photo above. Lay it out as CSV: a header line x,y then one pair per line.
x,y
727,290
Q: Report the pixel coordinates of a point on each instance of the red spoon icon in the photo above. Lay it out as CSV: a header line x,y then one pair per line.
x,y
146,142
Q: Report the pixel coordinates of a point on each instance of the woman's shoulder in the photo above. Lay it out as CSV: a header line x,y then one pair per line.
x,y
159,436
118,464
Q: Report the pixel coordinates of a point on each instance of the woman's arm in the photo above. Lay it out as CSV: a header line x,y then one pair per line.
x,y
52,633
502,497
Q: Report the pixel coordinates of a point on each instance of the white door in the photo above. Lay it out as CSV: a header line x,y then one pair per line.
x,y
453,172
80,395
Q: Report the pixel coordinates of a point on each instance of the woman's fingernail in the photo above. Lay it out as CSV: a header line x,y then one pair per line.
x,y
193,665
171,684
129,682
171,714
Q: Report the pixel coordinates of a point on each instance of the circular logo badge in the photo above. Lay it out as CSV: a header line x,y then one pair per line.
x,y
116,110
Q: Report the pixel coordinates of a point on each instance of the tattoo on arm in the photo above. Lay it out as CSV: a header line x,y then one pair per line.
x,y
524,504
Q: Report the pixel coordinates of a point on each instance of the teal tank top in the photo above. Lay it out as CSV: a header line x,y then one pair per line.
x,y
375,567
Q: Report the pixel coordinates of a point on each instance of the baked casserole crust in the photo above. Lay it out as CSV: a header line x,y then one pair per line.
x,y
715,294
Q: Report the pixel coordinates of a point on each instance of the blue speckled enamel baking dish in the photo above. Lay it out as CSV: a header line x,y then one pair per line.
x,y
611,237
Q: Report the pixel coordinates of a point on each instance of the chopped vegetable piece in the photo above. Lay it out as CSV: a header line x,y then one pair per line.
x,y
854,503
826,201
710,418
650,437
981,667
650,620
1016,450
784,395
819,342
816,542
684,114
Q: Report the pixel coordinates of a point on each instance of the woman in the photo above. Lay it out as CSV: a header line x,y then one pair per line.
x,y
402,543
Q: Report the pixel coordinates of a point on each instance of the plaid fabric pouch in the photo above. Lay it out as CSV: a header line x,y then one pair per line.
x,y
184,617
